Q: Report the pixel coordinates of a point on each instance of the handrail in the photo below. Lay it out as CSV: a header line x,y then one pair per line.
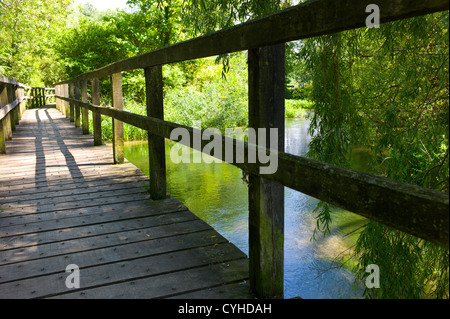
x,y
415,210
12,105
11,108
402,206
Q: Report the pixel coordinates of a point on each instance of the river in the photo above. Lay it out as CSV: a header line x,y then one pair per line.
x,y
217,194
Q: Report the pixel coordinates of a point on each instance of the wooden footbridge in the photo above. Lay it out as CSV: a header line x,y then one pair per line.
x,y
67,199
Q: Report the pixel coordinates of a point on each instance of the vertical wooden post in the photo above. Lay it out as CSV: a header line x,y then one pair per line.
x,y
62,105
57,92
20,107
7,118
77,108
65,103
156,147
96,117
266,198
12,116
72,106
59,102
2,126
117,102
42,96
17,109
2,138
84,111
32,98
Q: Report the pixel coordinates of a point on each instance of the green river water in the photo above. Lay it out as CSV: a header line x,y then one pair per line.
x,y
217,194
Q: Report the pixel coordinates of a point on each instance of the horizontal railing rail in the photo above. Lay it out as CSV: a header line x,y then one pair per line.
x,y
415,210
418,211
13,96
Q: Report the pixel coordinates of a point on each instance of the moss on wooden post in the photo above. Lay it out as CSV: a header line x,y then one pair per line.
x,y
77,108
84,111
66,104
156,149
266,198
97,118
117,103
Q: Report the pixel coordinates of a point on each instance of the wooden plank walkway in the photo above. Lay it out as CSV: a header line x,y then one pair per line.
x,y
62,201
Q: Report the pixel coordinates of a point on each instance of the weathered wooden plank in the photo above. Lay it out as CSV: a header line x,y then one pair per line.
x,y
61,177
134,205
82,196
155,228
238,290
81,185
56,224
171,284
108,274
43,207
27,184
27,244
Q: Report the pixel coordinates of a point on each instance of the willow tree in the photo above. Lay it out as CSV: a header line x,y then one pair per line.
x,y
386,90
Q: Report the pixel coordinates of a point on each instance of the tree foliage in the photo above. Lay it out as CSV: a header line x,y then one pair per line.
x,y
386,90
28,31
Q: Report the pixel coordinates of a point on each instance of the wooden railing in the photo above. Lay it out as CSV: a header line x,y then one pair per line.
x,y
12,106
13,96
409,208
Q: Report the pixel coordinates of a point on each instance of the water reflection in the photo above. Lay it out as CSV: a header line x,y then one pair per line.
x,y
216,193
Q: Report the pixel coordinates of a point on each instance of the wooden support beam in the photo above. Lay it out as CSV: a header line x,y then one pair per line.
x,y
72,106
97,117
11,98
66,104
117,103
266,197
77,108
84,111
2,138
156,144
58,92
7,120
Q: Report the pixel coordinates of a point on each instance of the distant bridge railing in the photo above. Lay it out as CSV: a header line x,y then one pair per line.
x,y
13,97
418,211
